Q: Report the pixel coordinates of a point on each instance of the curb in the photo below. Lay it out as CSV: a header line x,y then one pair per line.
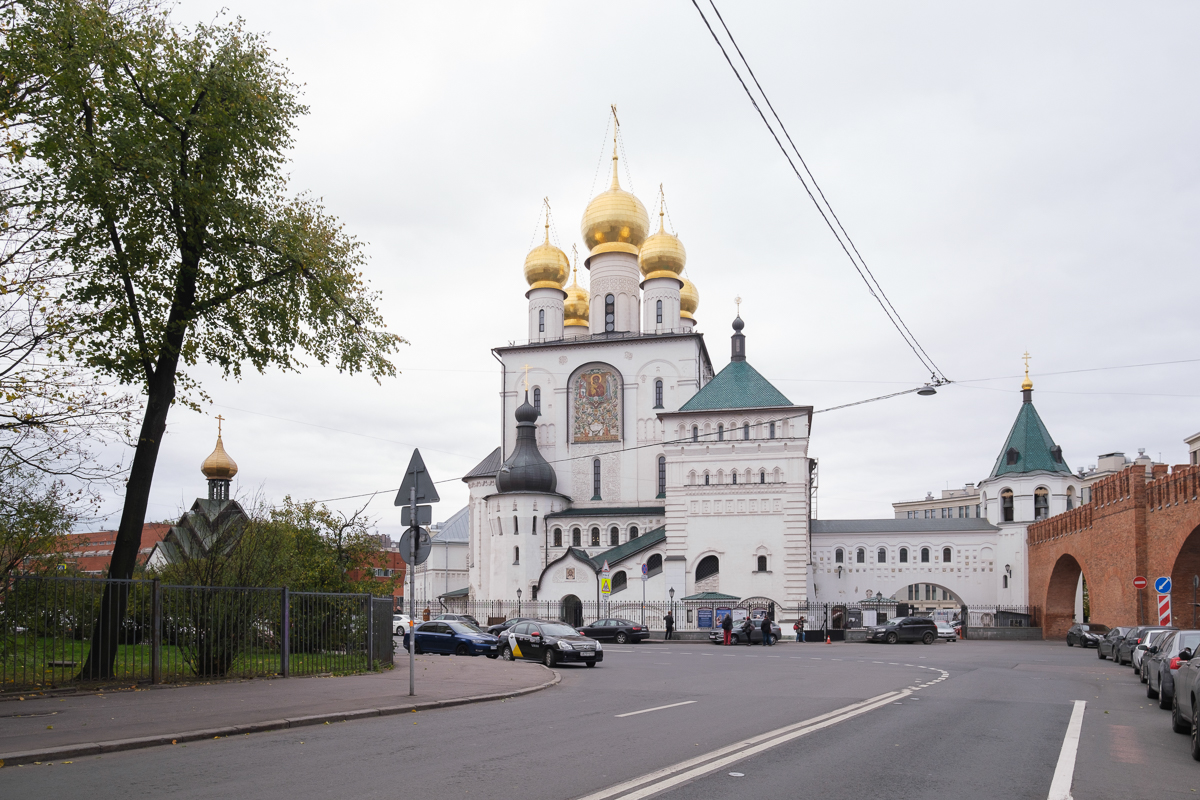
x,y
118,745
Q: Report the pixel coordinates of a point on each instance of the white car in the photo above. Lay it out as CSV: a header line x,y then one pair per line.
x,y
401,623
946,631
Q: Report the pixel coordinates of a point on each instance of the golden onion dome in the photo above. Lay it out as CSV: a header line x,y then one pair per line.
x,y
689,299
662,255
615,220
577,306
219,466
546,266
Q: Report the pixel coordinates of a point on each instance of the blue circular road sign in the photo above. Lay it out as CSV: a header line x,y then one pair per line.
x,y
1162,585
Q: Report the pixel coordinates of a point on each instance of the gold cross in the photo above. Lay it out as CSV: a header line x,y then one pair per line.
x,y
220,419
738,300
527,377
1026,357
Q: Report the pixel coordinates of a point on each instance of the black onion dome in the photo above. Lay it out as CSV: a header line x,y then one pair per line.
x,y
525,470
738,324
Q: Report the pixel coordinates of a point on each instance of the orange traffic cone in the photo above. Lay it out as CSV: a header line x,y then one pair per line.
x,y
827,640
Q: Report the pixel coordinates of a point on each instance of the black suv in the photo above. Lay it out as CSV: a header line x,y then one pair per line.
x,y
905,629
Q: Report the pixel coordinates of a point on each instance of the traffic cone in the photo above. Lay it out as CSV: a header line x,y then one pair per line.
x,y
827,640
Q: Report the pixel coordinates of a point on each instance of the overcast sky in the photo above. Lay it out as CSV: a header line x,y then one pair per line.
x,y
1018,176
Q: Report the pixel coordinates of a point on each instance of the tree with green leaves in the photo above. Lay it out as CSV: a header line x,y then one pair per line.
x,y
35,518
160,152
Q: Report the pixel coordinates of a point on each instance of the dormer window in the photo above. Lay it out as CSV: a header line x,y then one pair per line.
x,y
1012,456
1056,454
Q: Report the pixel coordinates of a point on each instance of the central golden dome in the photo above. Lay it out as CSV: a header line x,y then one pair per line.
x,y
576,308
546,266
662,255
689,299
219,466
615,220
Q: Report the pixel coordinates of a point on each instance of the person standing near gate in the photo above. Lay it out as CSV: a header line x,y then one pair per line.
x,y
727,626
670,622
766,631
799,626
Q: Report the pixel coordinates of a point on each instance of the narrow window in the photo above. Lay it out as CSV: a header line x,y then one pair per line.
x,y
658,394
534,529
541,320
537,399
516,555
1041,503
762,563
947,556
1004,578
695,433
924,555
662,476
596,479
733,477
1006,505
1071,497
861,556
558,537
903,555
614,536
881,556
762,476
772,429
746,431
706,479
610,313
658,311
576,537
516,525
595,537
838,556
721,433
633,534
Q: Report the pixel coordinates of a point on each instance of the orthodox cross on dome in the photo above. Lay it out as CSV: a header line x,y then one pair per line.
x,y
1026,358
527,377
738,300
220,419
1026,385
546,202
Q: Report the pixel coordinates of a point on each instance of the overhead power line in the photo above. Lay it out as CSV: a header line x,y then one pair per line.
x,y
805,176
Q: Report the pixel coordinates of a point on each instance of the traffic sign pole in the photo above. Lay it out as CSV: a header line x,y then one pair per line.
x,y
1164,610
412,594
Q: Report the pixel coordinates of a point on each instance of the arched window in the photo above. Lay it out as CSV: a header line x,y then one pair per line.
x,y
762,476
881,556
772,430
947,555
658,311
654,564
614,536
516,555
662,476
596,479
733,477
541,320
746,431
1070,497
633,532
721,432
1006,505
534,530
658,394
924,555
619,581
537,399
860,556
692,478
838,556
576,537
762,563
708,566
903,555
1041,503
610,313
706,479
595,537
720,477
695,433
558,537
516,527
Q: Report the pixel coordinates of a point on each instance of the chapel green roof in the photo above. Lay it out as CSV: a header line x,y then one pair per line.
x,y
621,552
739,385
1035,450
710,596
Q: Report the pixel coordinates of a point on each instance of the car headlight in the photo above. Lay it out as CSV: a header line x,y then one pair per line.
x,y
599,646
564,645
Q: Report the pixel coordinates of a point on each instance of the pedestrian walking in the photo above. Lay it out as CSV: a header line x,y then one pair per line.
x,y
766,631
748,631
799,626
670,622
727,626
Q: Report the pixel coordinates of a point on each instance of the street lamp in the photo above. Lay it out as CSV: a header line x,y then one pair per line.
x,y
839,570
518,602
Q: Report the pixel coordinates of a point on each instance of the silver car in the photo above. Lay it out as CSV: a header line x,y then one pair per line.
x,y
946,631
1162,662
1185,700
1139,650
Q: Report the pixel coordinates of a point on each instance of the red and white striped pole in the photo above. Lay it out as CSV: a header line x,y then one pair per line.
x,y
1164,610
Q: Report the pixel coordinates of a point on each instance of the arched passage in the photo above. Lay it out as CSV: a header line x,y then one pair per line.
x,y
928,596
570,611
1183,575
1060,597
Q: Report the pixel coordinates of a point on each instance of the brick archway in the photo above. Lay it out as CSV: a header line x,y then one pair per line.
x,y
1063,586
1183,573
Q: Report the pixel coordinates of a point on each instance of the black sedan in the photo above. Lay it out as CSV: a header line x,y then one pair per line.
x,y
1107,647
743,634
1086,634
905,629
550,643
501,629
451,636
618,630
1135,637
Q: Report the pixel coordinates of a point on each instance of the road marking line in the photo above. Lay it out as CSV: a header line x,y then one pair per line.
x,y
656,708
1064,773
665,778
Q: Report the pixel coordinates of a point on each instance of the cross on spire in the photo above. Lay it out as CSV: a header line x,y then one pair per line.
x,y
1026,358
527,377
738,300
220,419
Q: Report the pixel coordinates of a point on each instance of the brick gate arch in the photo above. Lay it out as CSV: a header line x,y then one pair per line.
x,y
1131,527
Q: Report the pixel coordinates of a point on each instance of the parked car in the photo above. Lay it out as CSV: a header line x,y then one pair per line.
x,y
717,636
401,624
1162,662
459,618
1107,647
945,631
618,630
452,636
1152,640
1185,699
501,628
1132,639
551,643
905,629
1086,634
1139,649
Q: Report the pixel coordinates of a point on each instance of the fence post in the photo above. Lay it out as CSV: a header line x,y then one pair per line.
x,y
285,654
156,635
370,634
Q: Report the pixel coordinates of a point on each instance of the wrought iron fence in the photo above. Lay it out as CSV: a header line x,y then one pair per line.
x,y
1003,617
49,626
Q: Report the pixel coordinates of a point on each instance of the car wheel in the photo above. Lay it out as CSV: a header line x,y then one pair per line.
x,y
1151,692
928,637
1099,654
1142,675
1070,643
591,664
621,637
507,653
892,638
461,650
1178,724
1195,730
1164,701
551,658
733,638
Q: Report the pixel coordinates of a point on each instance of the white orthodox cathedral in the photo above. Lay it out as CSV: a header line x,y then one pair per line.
x,y
621,444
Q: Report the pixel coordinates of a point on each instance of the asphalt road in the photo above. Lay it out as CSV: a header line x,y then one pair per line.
x,y
951,720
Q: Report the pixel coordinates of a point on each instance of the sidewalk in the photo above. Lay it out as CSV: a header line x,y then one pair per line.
x,y
52,728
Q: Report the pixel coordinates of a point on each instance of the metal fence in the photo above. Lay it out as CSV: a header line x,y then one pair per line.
x,y
49,626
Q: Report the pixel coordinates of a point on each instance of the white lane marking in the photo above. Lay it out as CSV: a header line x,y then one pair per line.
x,y
1064,773
665,778
657,708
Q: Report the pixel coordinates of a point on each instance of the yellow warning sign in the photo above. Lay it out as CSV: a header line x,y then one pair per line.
x,y
606,586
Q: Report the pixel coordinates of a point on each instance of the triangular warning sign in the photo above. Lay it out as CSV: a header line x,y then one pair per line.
x,y
417,475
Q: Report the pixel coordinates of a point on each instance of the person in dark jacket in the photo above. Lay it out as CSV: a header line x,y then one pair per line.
x,y
727,626
766,631
748,630
670,623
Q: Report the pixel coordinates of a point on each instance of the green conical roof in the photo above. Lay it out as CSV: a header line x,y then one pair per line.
x,y
1034,450
739,385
